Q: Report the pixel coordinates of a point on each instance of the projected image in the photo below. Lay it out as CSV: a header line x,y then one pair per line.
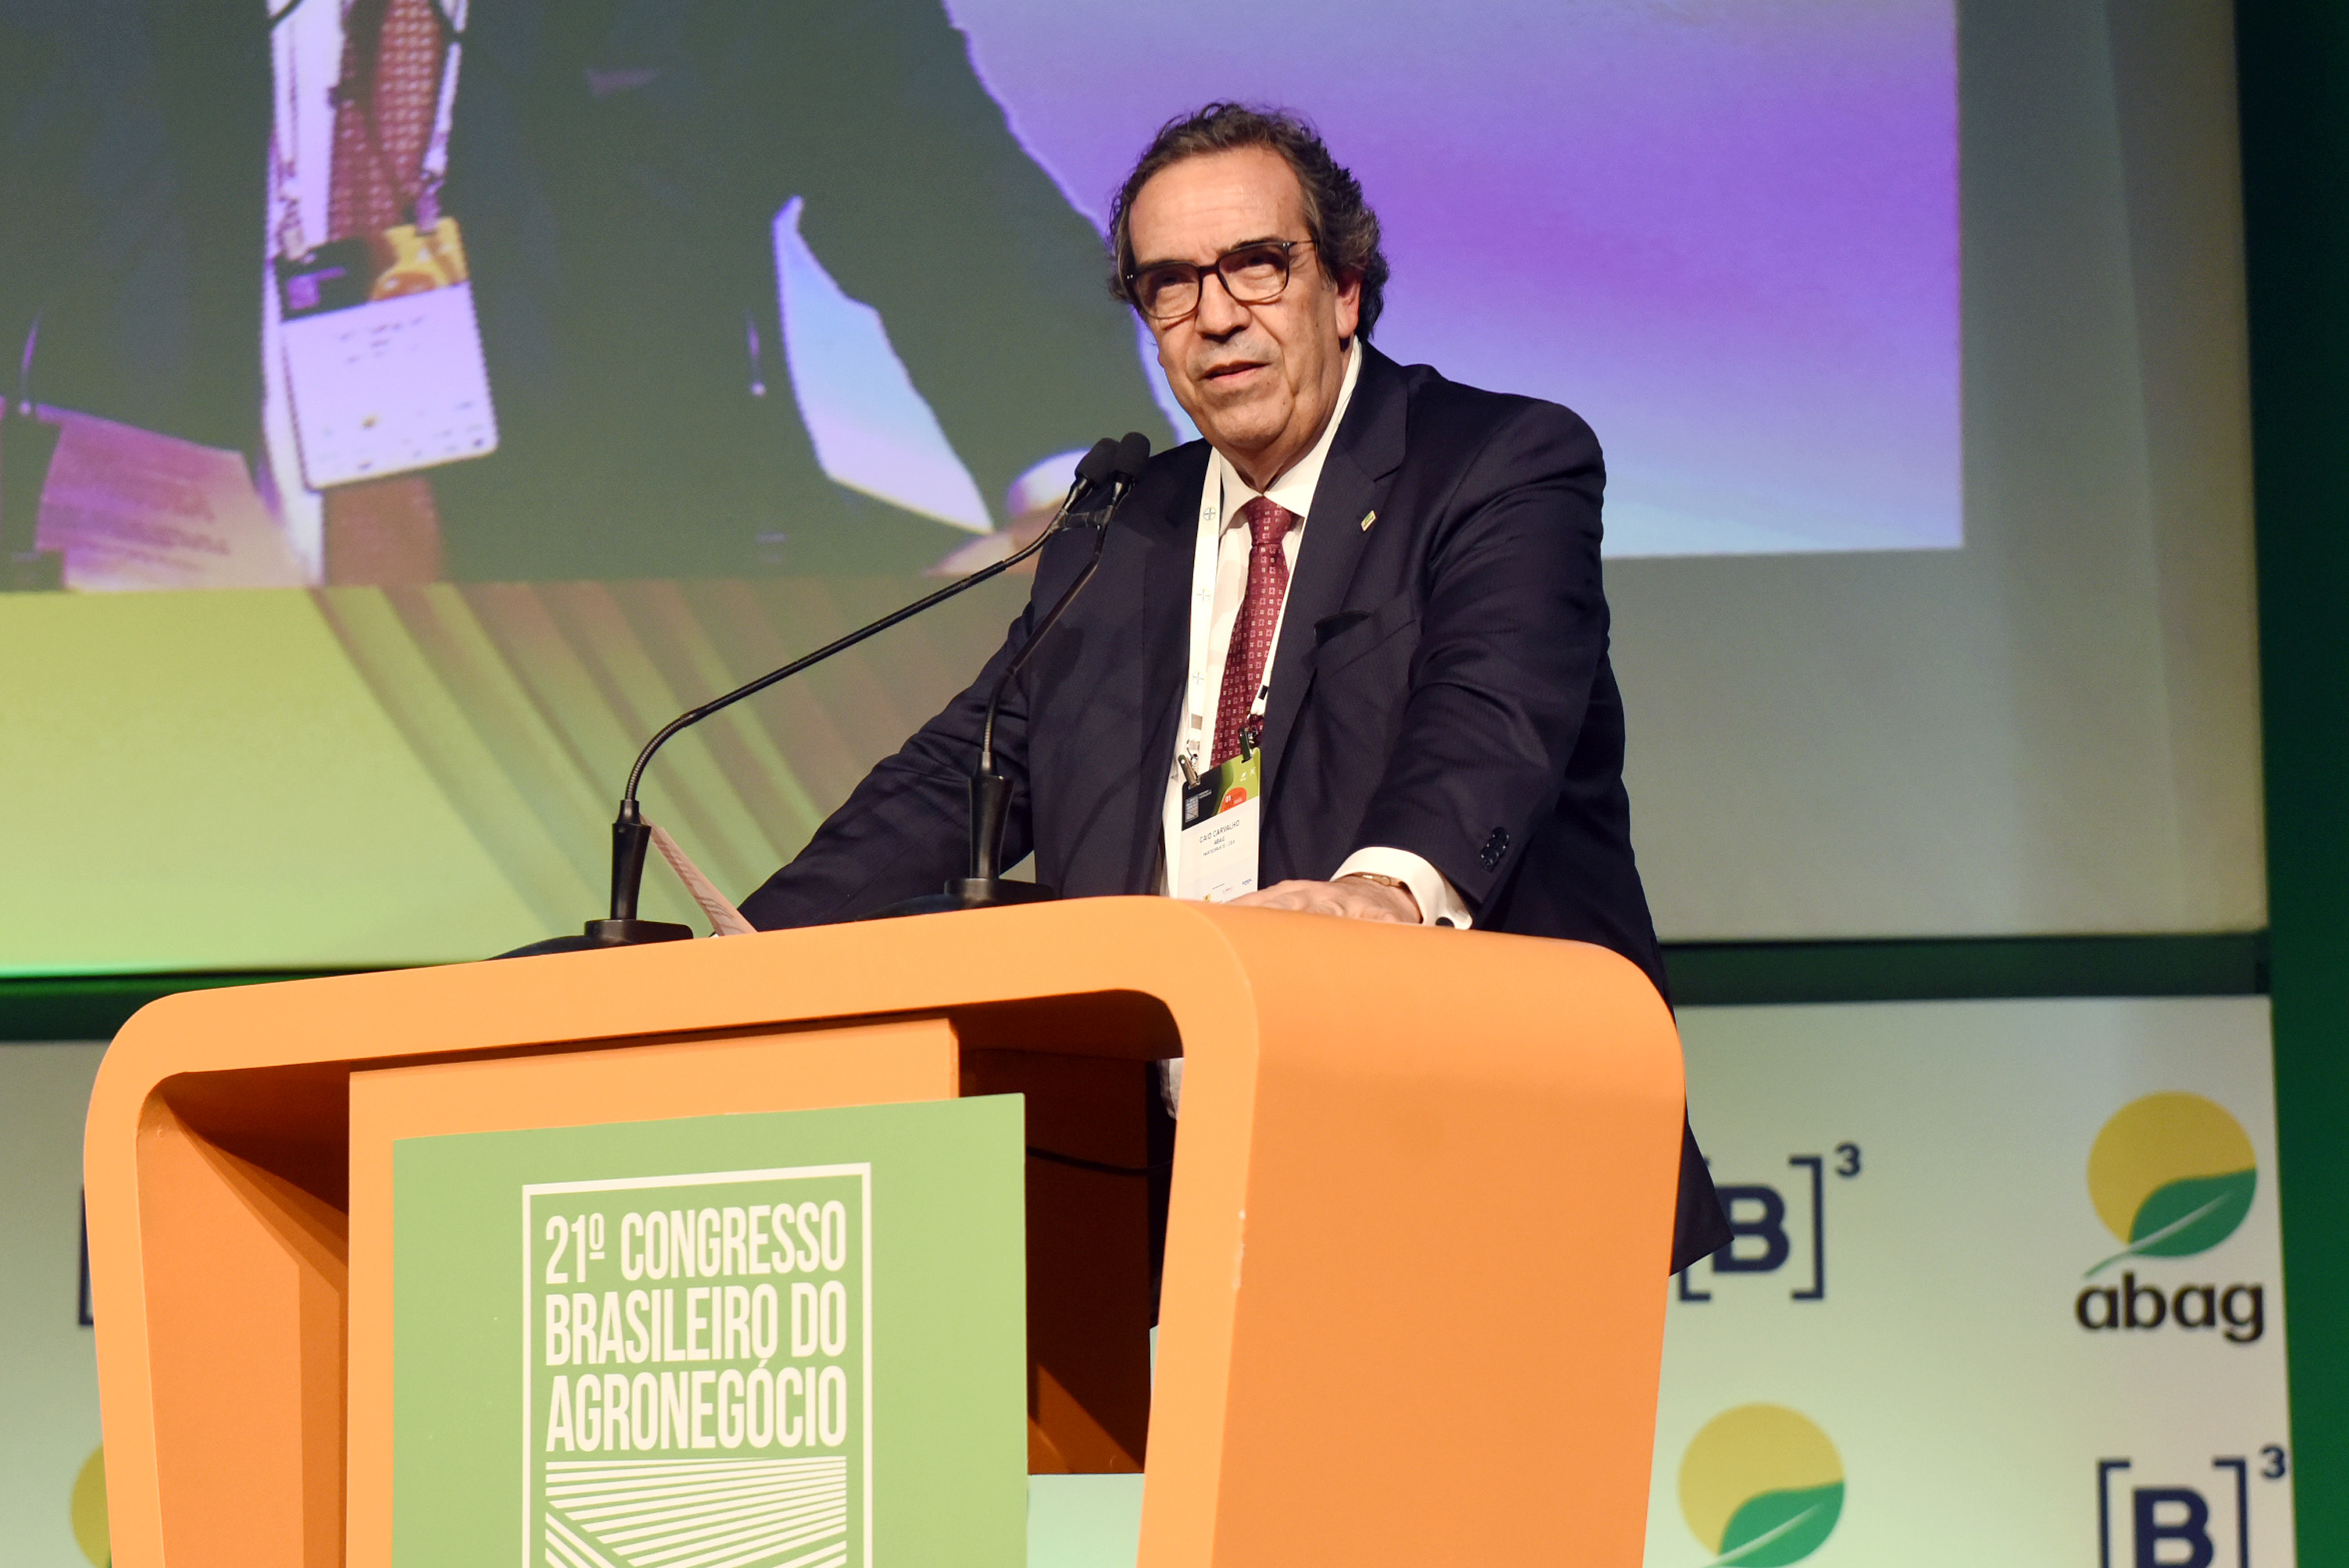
x,y
1726,234
513,291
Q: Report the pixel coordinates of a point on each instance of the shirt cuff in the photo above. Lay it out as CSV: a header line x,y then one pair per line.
x,y
1438,903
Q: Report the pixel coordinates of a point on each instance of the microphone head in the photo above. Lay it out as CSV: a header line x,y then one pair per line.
x,y
1099,463
1132,453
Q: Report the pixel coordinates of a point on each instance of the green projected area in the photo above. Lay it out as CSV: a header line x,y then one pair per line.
x,y
347,777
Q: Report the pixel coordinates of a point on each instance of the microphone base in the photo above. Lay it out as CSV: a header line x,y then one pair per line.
x,y
602,934
967,892
629,933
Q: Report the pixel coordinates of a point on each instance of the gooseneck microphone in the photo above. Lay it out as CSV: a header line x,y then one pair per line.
x,y
991,792
631,835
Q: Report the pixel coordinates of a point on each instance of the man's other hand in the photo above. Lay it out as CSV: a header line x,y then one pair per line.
x,y
1358,898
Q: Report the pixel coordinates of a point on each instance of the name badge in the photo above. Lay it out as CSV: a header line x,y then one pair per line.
x,y
1218,840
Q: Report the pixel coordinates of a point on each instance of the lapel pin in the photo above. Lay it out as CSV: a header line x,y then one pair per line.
x,y
1368,518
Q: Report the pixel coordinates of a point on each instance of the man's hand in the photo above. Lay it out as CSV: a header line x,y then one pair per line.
x,y
1358,898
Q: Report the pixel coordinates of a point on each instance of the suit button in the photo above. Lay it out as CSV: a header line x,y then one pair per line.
x,y
1495,848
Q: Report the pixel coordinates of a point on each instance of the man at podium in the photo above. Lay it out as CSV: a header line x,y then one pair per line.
x,y
1346,655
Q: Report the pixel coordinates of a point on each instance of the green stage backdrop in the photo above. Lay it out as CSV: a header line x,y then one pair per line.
x,y
2007,1288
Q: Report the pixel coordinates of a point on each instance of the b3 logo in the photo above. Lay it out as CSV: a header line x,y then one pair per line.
x,y
2206,1524
1767,1230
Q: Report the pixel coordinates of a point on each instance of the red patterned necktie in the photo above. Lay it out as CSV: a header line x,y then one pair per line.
x,y
1268,583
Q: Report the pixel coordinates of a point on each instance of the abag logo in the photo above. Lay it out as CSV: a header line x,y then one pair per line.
x,y
1760,1486
2171,1175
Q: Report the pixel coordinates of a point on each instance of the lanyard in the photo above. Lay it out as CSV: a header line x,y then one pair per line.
x,y
285,133
433,168
291,236
1205,553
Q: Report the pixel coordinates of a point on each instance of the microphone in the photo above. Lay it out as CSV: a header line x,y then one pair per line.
x,y
631,835
991,792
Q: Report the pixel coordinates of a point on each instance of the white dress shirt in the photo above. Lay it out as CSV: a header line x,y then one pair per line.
x,y
1293,491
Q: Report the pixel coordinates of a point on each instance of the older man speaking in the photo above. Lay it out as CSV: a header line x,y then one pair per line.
x,y
1347,654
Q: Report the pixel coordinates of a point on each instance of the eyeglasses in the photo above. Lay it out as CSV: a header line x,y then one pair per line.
x,y
1252,274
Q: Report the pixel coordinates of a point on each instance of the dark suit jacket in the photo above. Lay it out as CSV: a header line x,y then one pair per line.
x,y
1441,686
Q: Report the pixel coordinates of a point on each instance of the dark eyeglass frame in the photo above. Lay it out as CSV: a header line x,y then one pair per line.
x,y
1198,277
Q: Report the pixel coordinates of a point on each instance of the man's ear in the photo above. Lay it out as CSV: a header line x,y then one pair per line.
x,y
1350,305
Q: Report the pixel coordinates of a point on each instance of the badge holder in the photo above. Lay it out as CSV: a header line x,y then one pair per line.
x,y
382,351
1222,814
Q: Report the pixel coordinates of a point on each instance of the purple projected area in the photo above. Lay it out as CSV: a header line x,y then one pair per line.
x,y
1726,234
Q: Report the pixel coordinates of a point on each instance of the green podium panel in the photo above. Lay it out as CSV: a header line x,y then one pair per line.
x,y
784,1340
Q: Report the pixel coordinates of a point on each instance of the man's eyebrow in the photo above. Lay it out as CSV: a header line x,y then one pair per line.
x,y
1228,250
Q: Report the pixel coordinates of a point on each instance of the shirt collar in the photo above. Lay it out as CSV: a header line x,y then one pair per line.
x,y
1293,491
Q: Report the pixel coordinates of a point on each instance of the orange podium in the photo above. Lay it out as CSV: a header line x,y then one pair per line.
x,y
1416,1254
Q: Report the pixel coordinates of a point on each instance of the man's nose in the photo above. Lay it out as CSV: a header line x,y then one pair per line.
x,y
1220,316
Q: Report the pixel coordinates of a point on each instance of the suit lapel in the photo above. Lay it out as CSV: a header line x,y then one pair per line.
x,y
1170,532
1362,458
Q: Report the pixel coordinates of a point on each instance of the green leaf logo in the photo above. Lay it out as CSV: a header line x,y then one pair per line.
x,y
1760,1486
1782,1526
2170,1175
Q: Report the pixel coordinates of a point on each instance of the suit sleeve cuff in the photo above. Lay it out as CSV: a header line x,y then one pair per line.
x,y
1439,903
